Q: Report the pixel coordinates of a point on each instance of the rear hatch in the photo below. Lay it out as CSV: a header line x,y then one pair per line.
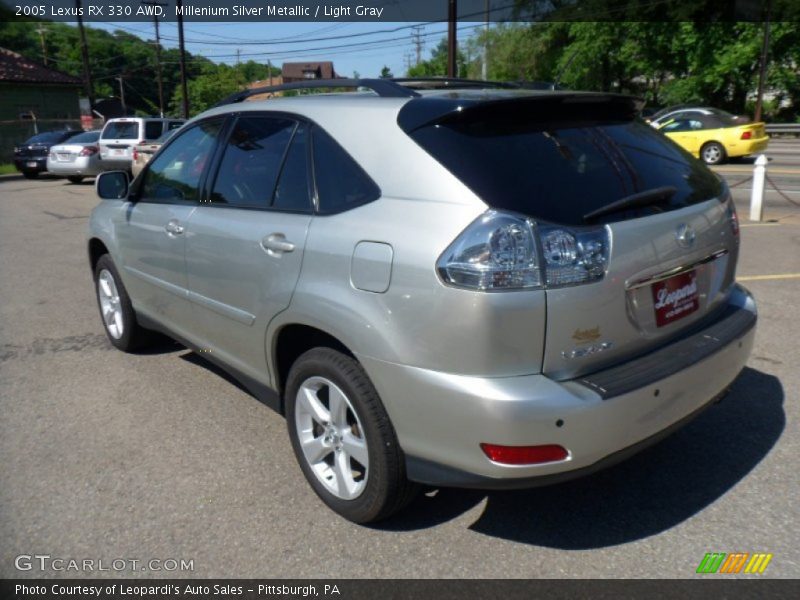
x,y
565,160
118,139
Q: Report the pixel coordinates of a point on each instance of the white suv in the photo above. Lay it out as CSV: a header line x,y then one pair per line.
x,y
121,135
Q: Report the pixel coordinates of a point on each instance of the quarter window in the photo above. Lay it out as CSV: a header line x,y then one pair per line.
x,y
175,174
250,166
341,183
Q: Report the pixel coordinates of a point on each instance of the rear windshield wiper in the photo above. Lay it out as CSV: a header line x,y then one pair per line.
x,y
646,198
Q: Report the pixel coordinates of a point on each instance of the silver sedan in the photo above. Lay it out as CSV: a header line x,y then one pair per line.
x,y
77,158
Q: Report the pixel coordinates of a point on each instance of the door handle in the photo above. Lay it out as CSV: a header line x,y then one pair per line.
x,y
173,227
276,243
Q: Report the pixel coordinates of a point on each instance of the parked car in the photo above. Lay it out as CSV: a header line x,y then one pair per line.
x,y
712,134
79,157
142,153
453,287
121,135
30,157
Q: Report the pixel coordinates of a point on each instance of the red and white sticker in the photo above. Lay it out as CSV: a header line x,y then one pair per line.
x,y
674,298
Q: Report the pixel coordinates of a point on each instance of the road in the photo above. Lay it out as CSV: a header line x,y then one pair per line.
x,y
154,456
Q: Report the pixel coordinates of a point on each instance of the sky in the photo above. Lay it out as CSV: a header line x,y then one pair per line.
x,y
392,47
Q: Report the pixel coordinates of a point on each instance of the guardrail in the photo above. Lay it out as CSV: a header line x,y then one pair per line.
x,y
783,128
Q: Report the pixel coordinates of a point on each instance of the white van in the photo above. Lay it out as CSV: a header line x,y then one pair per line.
x,y
121,135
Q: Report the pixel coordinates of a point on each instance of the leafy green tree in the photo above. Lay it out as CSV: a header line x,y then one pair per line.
x,y
436,65
208,88
386,73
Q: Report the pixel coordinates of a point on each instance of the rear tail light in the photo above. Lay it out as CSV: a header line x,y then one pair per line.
x,y
733,217
89,150
505,251
135,155
524,455
746,135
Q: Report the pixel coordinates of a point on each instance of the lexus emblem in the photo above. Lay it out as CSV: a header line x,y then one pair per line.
x,y
685,236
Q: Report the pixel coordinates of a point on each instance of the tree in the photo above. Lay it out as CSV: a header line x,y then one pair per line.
x,y
436,65
205,90
386,73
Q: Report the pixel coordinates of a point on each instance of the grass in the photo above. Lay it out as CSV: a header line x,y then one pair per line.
x,y
7,168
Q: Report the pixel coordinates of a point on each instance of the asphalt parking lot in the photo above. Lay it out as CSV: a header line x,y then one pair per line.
x,y
159,456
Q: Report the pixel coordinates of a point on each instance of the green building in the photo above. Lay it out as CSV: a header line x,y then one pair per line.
x,y
34,98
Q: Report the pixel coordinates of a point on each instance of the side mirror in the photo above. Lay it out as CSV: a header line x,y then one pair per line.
x,y
112,185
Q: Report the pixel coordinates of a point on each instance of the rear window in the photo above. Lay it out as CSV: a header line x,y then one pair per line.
x,y
121,130
88,137
48,137
560,167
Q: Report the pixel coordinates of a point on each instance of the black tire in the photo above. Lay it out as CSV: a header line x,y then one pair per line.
x,y
387,490
75,179
30,174
134,337
713,153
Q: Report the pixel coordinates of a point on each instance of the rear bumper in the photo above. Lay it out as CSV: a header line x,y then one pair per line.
x,y
441,419
115,164
27,164
745,147
81,166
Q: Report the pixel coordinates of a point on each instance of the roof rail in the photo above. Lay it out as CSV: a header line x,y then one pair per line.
x,y
422,83
385,88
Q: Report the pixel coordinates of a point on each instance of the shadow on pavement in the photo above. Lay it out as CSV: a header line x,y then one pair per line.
x,y
650,493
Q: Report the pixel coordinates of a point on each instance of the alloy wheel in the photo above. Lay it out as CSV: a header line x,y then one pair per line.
x,y
332,438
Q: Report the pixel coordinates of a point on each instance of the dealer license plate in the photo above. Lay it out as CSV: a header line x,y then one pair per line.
x,y
676,297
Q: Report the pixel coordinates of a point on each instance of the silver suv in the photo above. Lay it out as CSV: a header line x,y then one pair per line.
x,y
477,286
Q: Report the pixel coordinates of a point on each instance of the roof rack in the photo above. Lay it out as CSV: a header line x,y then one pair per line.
x,y
428,83
386,88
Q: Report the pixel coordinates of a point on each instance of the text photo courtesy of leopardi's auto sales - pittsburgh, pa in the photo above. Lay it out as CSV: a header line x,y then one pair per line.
x,y
399,298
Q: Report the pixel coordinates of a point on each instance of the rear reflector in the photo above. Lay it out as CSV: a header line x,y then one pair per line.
x,y
746,135
524,455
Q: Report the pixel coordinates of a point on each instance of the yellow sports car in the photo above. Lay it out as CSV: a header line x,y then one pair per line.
x,y
711,134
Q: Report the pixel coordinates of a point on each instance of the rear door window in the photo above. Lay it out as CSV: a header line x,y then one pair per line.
x,y
121,130
292,193
558,167
251,162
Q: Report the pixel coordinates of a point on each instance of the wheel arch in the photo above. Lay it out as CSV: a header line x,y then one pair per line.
x,y
291,341
96,248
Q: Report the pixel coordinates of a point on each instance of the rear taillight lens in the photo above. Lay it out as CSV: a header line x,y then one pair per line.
x,y
505,251
746,135
524,455
135,155
733,218
89,150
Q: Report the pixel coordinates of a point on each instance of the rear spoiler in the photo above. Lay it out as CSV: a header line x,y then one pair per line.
x,y
553,106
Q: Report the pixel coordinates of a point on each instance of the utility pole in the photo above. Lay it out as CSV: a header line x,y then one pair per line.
x,y
485,58
762,73
41,31
122,95
416,36
452,15
184,91
159,75
87,75
269,66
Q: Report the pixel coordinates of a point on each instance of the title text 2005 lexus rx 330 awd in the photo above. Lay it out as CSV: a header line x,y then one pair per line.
x,y
473,287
